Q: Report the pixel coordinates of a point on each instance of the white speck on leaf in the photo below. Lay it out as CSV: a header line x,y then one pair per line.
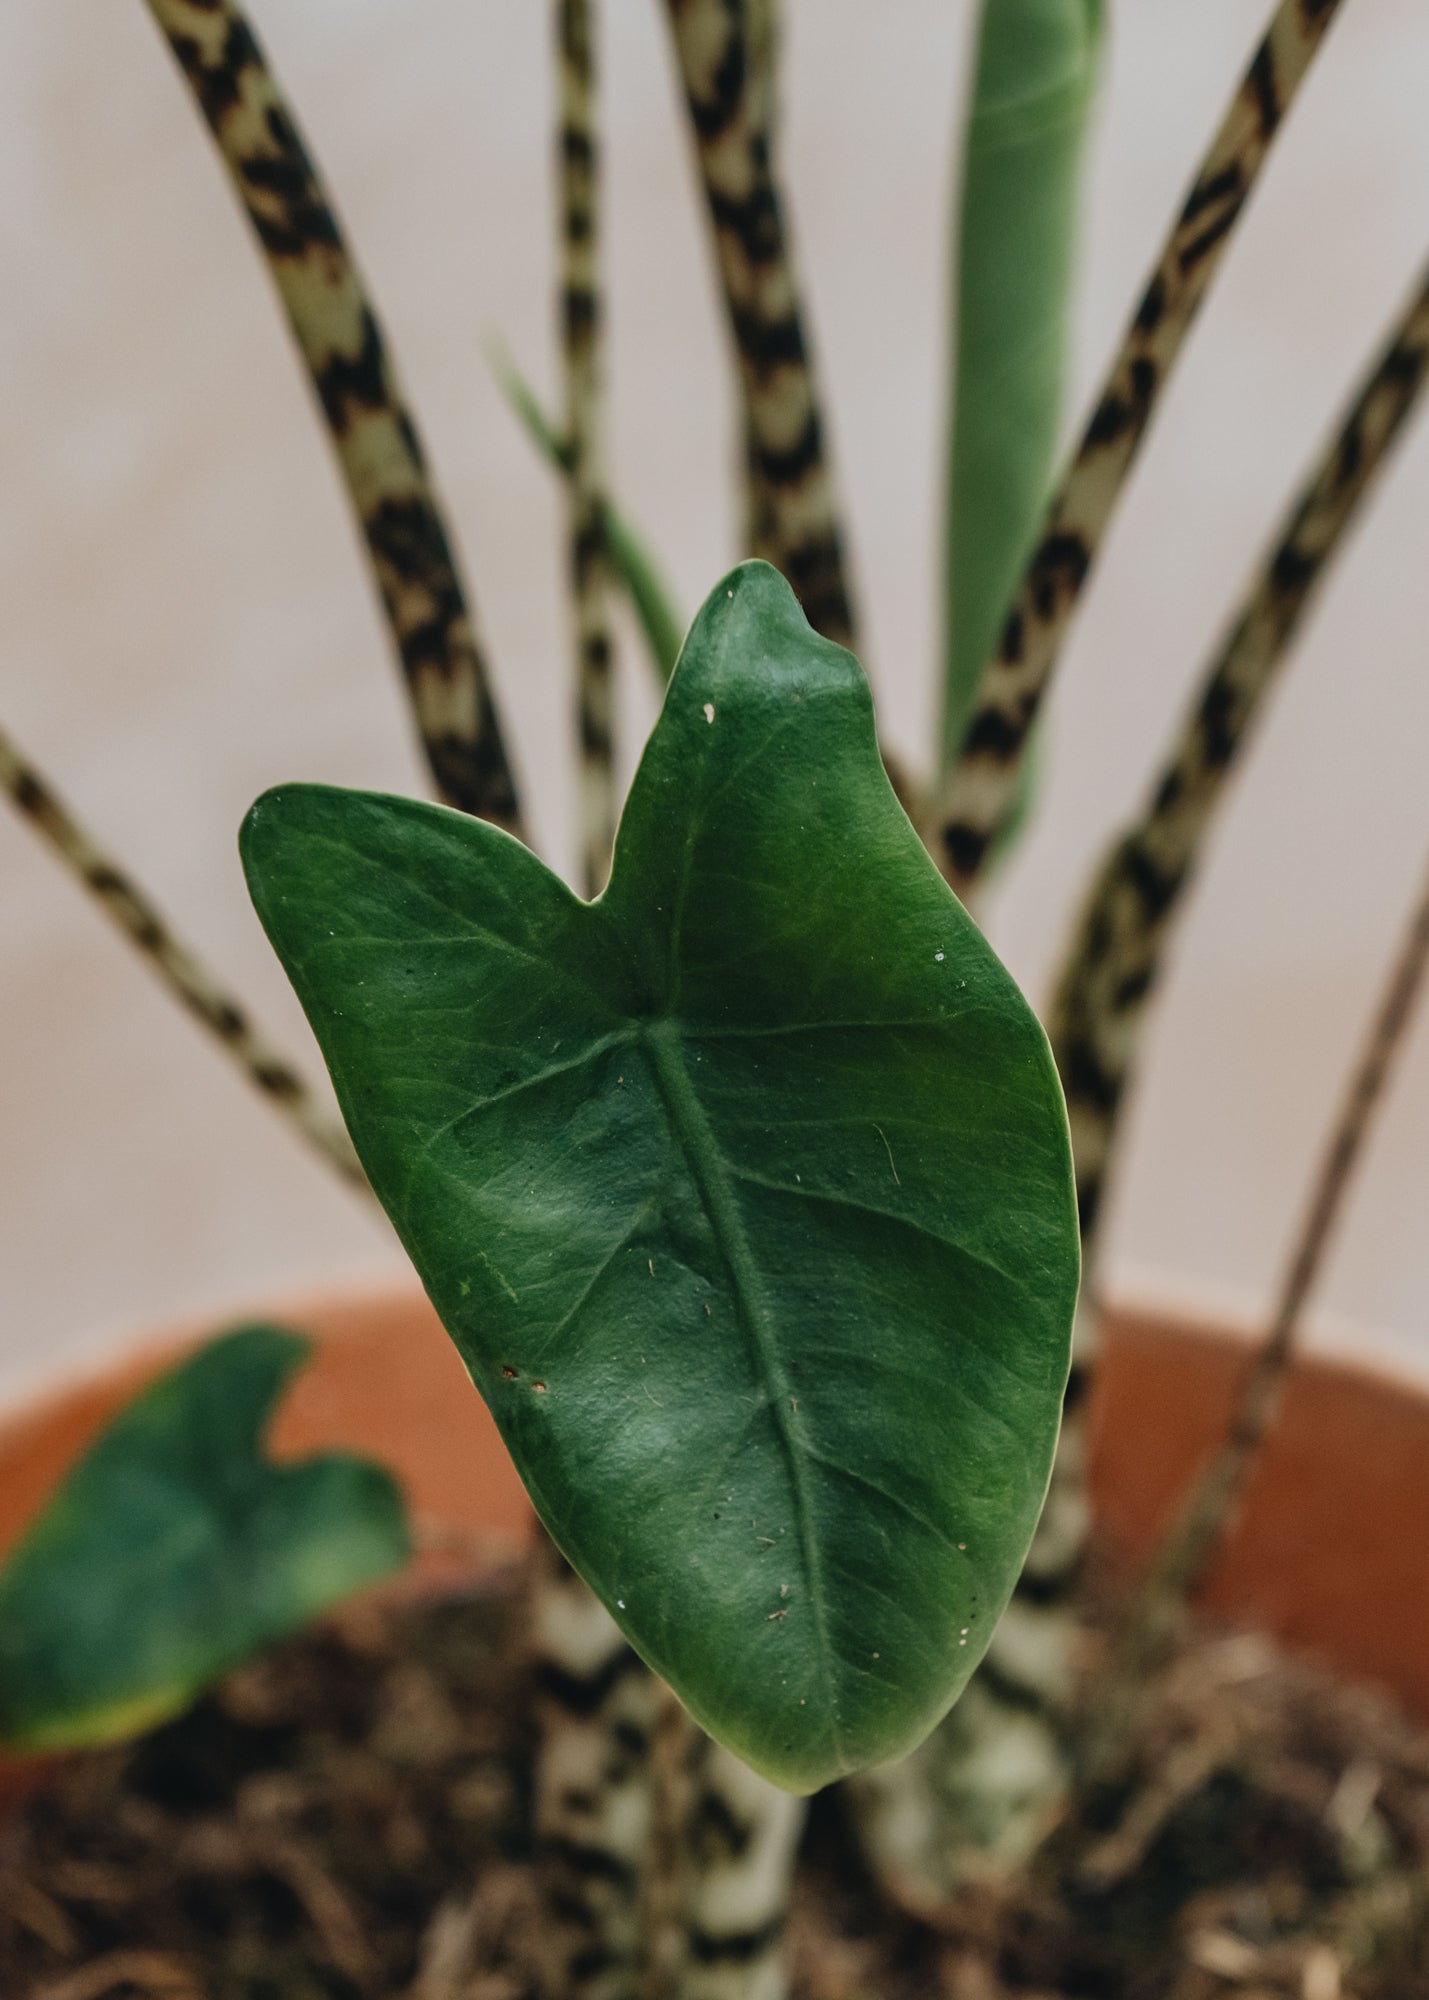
x,y
940,956
620,1603
709,711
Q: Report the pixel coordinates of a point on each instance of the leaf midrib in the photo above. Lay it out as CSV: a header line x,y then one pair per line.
x,y
692,1129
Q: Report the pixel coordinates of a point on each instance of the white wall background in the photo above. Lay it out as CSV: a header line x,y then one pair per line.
x,y
184,617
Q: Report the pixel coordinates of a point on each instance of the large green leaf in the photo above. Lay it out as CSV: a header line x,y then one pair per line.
x,y
174,1550
1033,91
744,1191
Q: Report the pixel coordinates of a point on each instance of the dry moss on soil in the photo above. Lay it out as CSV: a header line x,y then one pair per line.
x,y
348,1820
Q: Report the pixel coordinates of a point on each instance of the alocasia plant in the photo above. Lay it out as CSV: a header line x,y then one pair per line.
x,y
744,1190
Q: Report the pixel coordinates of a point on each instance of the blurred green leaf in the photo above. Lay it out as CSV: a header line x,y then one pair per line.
x,y
635,568
745,1191
1033,94
174,1550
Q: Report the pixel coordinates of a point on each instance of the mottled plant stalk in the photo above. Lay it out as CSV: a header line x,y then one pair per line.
x,y
1158,1613
372,432
722,1850
976,1799
743,1832
674,1752
986,1787
581,314
981,786
725,54
595,1708
665,1862
596,1704
741,1838
192,985
987,1783
1114,962
990,1779
763,35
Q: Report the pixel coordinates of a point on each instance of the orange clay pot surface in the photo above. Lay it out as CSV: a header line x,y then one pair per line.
x,y
1327,1555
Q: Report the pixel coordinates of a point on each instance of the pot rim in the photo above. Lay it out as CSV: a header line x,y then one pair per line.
x,y
1325,1555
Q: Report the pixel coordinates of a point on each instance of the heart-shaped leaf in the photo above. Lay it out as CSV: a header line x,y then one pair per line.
x,y
744,1191
174,1550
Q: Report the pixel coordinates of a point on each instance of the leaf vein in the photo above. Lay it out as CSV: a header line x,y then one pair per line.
x,y
711,1175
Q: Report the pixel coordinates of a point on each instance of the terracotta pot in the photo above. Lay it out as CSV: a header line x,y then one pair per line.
x,y
1328,1554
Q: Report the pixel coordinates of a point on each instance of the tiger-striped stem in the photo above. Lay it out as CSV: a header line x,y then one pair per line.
x,y
595,1707
992,1774
743,1832
723,1843
372,432
981,786
187,978
1154,1623
764,36
671,1882
1104,993
581,313
598,1706
724,51
1016,1749
742,1837
1111,970
674,1751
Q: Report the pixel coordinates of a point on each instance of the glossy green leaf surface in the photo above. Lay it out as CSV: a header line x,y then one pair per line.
x,y
745,1191
1034,87
174,1550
